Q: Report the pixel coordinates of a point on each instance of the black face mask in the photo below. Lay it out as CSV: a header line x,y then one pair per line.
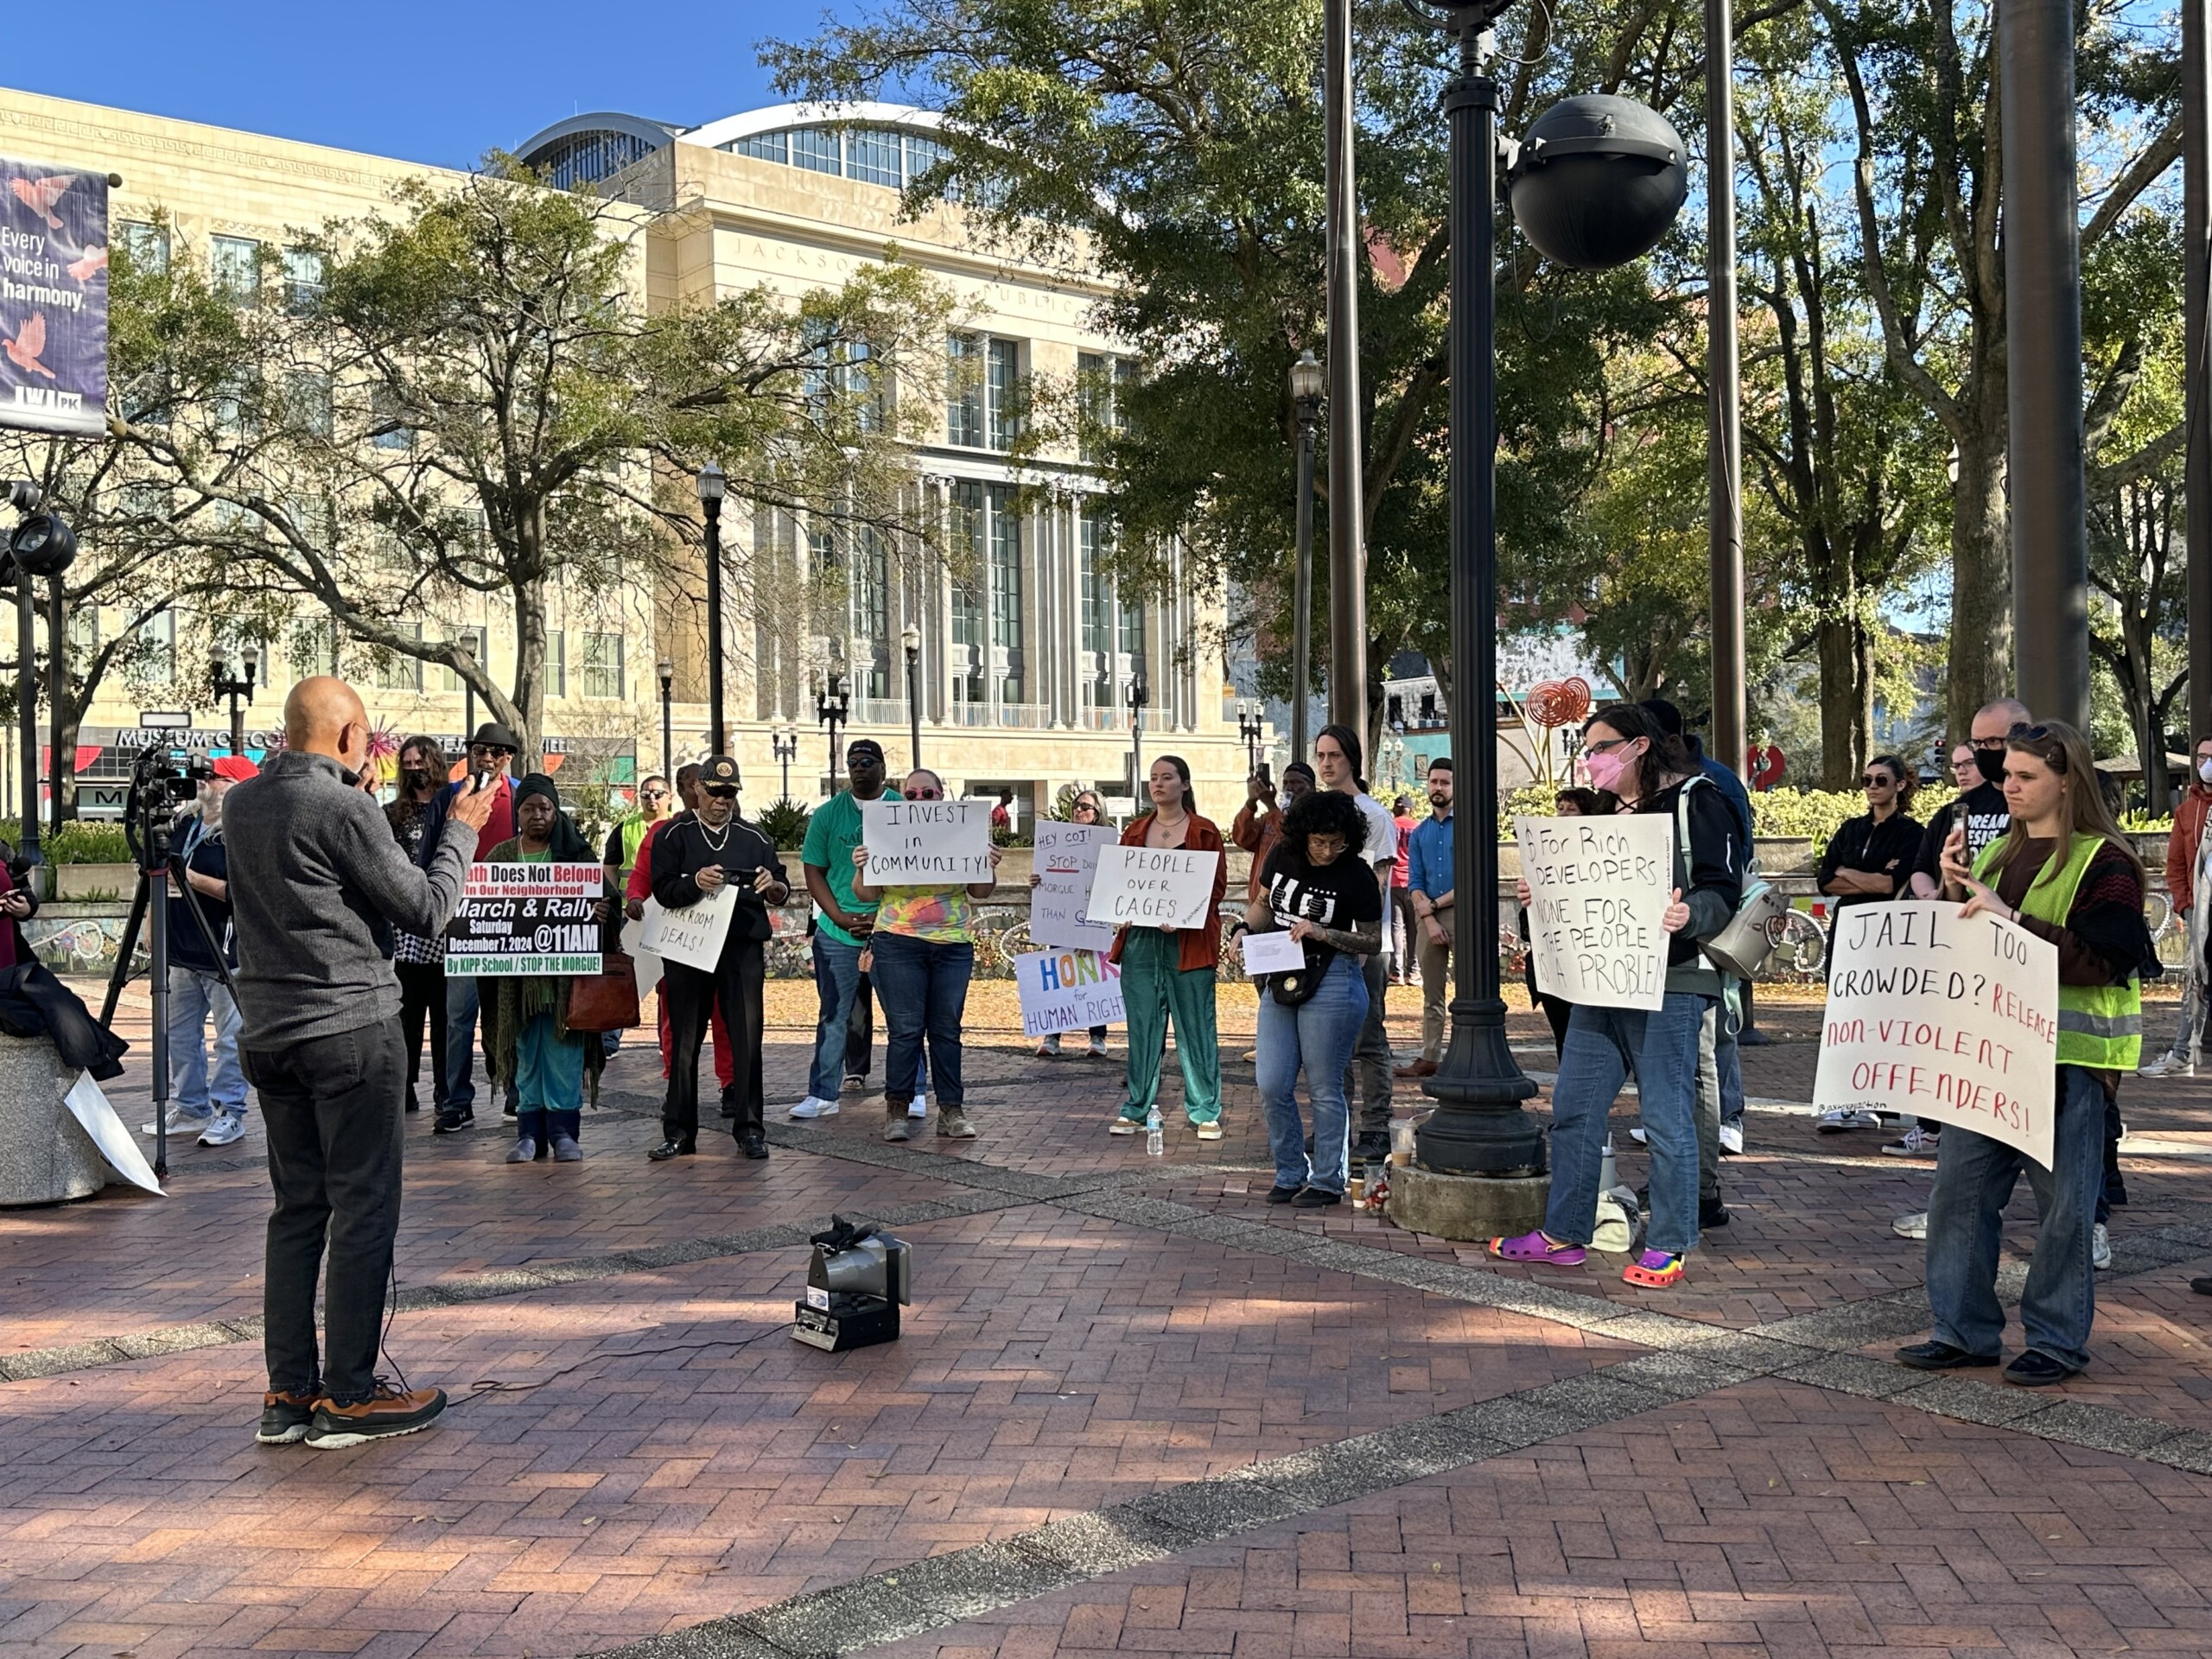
x,y
1991,764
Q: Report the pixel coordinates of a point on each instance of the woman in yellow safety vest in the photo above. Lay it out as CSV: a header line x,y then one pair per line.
x,y
2065,872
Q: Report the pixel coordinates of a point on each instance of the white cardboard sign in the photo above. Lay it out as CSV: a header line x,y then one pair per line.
x,y
926,843
694,935
1066,863
1152,887
88,1104
1067,990
1953,1020
1597,888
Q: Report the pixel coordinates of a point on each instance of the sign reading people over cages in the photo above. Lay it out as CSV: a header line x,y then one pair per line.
x,y
1953,1019
53,298
526,918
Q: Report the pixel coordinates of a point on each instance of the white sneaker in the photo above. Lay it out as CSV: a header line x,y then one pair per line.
x,y
1731,1139
1097,1049
1050,1048
1833,1122
2099,1247
2167,1065
1914,1226
1915,1142
813,1106
181,1122
223,1129
918,1106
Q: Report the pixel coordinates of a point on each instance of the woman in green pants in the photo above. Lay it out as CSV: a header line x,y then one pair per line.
x,y
1169,971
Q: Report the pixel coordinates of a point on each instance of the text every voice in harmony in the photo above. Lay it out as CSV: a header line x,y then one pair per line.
x,y
1953,1019
926,843
1597,891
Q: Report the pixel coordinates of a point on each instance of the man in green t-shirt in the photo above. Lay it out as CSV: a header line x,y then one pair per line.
x,y
842,924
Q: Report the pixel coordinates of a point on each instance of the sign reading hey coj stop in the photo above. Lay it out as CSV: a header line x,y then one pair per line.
x,y
1066,861
526,918
1955,1020
53,298
1597,889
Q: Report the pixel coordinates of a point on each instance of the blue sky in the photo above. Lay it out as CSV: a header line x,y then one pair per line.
x,y
437,83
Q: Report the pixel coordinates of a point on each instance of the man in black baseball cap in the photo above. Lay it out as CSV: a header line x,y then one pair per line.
x,y
694,858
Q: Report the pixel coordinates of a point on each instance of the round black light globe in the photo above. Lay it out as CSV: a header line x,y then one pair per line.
x,y
42,545
1597,181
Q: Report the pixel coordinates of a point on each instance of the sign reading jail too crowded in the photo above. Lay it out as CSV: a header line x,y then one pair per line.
x,y
926,843
1953,1019
1152,886
526,918
1597,893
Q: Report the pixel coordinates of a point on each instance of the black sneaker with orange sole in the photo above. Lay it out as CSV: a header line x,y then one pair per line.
x,y
285,1416
385,1412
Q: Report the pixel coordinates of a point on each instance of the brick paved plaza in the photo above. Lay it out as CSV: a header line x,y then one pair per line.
x,y
1136,1410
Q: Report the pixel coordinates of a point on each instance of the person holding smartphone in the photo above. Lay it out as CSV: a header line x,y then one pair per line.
x,y
693,859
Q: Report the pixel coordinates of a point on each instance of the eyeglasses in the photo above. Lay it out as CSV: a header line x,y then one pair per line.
x,y
922,794
1604,744
721,792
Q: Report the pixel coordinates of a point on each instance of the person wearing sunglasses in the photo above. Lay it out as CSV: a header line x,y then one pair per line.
x,y
694,858
623,841
922,955
2065,872
1867,860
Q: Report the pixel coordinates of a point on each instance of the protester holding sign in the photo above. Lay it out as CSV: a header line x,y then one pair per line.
x,y
1167,972
2064,871
1869,858
924,954
526,1016
1639,767
1320,888
1087,812
694,858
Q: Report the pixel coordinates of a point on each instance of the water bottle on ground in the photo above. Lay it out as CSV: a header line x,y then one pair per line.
x,y
1152,1141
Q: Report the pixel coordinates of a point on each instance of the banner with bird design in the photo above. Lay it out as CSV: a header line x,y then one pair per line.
x,y
53,298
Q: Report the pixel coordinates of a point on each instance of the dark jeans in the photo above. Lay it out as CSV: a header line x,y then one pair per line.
x,y
925,988
1370,1056
422,998
331,1105
859,1030
735,984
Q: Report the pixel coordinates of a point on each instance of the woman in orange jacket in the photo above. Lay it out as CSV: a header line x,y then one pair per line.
x,y
1169,971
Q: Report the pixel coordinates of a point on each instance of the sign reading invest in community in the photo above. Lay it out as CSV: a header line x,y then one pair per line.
x,y
1953,1020
526,918
1152,886
1067,859
1597,891
926,843
1067,990
53,297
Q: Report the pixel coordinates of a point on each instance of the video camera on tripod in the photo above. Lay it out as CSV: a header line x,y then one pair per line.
x,y
162,779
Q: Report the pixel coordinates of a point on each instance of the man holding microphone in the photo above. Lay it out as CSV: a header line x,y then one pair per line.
x,y
318,886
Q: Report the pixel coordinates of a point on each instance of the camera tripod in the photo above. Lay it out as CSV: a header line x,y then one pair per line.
x,y
147,828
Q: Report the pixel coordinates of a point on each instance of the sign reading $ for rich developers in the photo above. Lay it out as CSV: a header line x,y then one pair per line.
x,y
1953,1019
526,918
1598,890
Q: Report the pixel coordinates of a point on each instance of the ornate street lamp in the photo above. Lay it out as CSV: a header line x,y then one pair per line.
x,y
41,545
911,638
832,706
1595,184
1139,695
1251,728
1309,383
225,686
784,745
712,488
667,735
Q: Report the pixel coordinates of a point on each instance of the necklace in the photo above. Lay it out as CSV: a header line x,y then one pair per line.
x,y
715,843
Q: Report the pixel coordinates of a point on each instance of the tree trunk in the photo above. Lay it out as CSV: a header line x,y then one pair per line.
x,y
1838,648
1980,656
528,707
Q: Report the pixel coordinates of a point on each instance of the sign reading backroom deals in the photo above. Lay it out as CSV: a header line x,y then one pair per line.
x,y
53,298
526,918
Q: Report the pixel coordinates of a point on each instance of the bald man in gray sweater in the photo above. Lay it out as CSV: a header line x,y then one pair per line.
x,y
317,885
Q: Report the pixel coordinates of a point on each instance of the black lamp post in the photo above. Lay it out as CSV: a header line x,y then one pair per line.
x,y
1308,382
831,706
712,488
784,745
1139,695
239,690
1596,184
40,545
1251,728
911,638
667,734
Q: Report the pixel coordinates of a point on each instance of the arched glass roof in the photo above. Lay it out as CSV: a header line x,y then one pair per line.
x,y
890,144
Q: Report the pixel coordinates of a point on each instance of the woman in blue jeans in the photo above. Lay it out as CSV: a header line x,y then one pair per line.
x,y
1639,766
1316,887
923,955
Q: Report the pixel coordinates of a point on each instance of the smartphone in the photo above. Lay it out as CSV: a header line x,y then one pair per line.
x,y
481,781
1266,777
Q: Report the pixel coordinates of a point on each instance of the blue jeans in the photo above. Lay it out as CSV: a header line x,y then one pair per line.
x,y
1603,1047
1974,1175
1318,1035
1729,1058
195,993
460,1043
836,978
922,986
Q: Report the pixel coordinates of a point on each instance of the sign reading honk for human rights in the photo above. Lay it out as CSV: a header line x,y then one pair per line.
x,y
1152,886
926,843
1597,893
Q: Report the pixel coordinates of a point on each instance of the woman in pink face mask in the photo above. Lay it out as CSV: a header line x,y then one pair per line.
x,y
1639,767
